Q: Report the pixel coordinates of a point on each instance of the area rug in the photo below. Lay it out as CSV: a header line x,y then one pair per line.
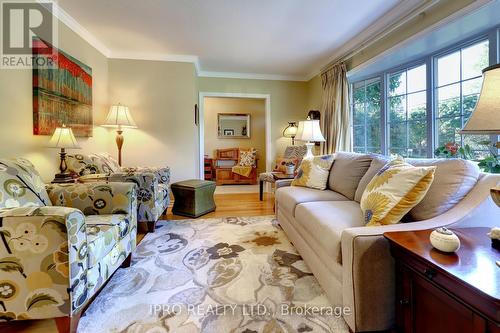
x,y
214,275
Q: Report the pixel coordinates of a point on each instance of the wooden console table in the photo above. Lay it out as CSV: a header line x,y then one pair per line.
x,y
439,292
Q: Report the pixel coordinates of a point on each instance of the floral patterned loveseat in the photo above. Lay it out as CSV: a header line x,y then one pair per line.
x,y
59,244
154,183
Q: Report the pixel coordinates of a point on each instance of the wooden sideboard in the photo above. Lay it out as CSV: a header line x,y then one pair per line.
x,y
224,160
440,292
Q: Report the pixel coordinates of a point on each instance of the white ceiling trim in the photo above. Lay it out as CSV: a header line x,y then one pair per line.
x,y
252,76
451,18
377,29
67,19
158,57
380,28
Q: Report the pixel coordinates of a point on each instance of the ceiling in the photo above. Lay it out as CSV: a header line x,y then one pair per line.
x,y
289,39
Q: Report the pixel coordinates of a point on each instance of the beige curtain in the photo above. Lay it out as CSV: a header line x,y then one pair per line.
x,y
335,110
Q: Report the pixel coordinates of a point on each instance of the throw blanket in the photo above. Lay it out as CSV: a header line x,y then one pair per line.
x,y
242,170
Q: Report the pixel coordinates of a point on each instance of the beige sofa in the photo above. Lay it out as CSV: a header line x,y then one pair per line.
x,y
352,262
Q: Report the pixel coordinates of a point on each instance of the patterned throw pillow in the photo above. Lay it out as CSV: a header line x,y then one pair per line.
x,y
394,191
313,172
281,163
247,157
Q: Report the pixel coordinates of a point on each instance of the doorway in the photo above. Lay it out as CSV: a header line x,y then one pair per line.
x,y
257,107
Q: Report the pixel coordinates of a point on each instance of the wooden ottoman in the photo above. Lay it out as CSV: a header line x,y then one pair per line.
x,y
193,198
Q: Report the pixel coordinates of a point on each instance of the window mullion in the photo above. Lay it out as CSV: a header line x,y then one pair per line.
x,y
430,107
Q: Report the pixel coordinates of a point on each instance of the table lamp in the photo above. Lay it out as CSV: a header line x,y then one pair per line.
x,y
291,131
485,118
119,117
63,138
309,131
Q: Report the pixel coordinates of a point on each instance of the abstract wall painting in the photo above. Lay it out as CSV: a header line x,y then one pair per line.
x,y
62,92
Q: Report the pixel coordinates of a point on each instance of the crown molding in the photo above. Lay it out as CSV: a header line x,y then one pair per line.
x,y
387,23
381,27
252,76
157,57
68,20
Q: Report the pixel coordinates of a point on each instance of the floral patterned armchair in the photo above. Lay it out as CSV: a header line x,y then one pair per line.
x,y
59,244
153,183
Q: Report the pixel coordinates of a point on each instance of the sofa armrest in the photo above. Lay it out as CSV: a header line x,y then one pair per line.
x,y
45,249
95,177
150,200
368,267
161,173
97,198
283,183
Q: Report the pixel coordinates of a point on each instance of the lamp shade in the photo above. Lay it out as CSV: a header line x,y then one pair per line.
x,y
119,116
291,130
309,130
486,116
63,138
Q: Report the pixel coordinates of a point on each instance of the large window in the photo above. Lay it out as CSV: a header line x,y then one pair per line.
x,y
457,87
413,109
407,110
366,112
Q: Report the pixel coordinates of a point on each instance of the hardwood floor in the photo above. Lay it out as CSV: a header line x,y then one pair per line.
x,y
235,204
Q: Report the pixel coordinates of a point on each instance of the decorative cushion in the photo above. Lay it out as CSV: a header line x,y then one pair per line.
x,y
394,190
313,172
247,157
109,161
281,163
347,171
21,185
87,164
378,162
453,180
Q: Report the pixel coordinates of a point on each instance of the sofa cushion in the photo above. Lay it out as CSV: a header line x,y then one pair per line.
x,y
103,233
347,171
377,163
325,221
21,185
313,172
453,179
394,191
290,196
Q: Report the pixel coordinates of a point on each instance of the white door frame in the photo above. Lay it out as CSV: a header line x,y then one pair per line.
x,y
201,125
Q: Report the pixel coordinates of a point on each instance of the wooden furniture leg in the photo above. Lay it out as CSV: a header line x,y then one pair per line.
x,y
127,261
261,190
68,324
151,226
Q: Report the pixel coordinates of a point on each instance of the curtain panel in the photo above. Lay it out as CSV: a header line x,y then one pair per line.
x,y
335,109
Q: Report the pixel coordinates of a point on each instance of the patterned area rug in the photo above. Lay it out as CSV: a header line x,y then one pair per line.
x,y
215,276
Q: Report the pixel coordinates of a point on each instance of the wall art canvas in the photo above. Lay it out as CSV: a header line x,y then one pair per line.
x,y
62,91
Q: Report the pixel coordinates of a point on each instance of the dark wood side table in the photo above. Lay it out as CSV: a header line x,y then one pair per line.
x,y
276,176
439,292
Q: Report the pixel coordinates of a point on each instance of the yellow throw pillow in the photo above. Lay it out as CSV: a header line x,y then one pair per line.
x,y
394,191
313,172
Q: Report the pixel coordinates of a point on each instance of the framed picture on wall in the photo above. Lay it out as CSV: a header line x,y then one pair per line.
x,y
62,93
228,132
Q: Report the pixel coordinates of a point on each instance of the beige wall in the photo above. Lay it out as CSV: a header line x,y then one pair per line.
x,y
161,97
314,93
288,102
257,110
16,110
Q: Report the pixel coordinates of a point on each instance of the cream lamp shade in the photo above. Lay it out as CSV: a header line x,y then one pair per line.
x,y
119,116
309,131
486,116
63,138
